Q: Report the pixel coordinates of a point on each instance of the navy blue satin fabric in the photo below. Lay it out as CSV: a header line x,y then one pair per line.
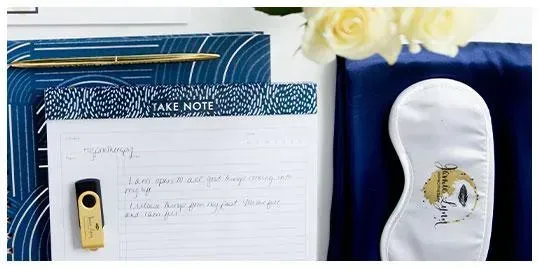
x,y
368,177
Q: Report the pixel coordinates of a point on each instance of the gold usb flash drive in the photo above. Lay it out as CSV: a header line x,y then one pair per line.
x,y
91,220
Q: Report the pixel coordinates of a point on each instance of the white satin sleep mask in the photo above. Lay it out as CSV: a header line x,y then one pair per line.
x,y
442,133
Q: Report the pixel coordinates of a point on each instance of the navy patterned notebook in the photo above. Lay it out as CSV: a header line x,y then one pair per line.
x,y
187,172
245,57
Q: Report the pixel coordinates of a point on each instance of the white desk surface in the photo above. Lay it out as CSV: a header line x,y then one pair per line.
x,y
509,25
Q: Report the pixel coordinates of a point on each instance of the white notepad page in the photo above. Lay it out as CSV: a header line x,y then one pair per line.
x,y
189,188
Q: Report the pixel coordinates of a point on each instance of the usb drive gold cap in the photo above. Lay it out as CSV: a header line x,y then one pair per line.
x,y
90,213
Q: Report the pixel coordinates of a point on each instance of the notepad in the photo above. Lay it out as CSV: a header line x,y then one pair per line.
x,y
203,172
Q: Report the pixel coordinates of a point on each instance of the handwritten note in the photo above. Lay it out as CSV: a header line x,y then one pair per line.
x,y
221,188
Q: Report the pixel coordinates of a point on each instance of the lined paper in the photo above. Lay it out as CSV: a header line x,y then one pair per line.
x,y
201,188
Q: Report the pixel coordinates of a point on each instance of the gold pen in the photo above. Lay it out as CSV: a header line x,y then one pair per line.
x,y
113,60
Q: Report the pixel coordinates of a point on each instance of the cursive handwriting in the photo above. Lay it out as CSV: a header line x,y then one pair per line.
x,y
125,151
170,208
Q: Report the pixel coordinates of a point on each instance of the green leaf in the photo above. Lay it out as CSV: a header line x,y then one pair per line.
x,y
279,11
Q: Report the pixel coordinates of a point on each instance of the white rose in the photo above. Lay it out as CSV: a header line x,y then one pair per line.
x,y
354,33
440,30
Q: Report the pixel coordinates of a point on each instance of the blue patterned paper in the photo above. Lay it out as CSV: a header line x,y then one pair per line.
x,y
180,101
245,58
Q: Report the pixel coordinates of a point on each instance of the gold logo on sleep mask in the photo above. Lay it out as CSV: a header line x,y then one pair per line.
x,y
452,192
